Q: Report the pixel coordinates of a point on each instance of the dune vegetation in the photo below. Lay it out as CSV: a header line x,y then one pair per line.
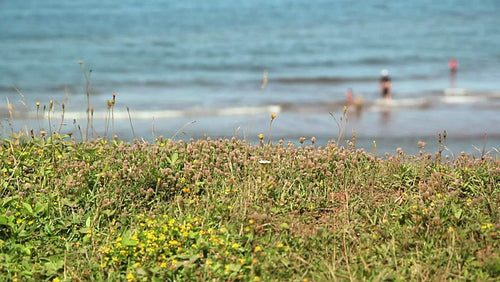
x,y
228,210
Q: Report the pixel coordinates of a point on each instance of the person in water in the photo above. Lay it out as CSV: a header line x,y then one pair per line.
x,y
385,85
453,65
349,97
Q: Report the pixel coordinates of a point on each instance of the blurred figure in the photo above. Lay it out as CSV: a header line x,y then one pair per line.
x,y
453,65
349,97
385,84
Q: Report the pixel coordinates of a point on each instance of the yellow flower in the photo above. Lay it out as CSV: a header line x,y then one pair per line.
x,y
273,116
280,245
56,279
256,278
236,246
261,136
130,277
258,249
487,226
251,221
185,189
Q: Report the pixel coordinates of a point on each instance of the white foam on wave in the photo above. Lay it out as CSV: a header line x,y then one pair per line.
x,y
455,91
159,114
462,99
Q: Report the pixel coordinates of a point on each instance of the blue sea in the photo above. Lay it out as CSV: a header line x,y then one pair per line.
x,y
219,68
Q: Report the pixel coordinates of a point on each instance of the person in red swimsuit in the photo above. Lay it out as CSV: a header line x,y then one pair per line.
x,y
453,64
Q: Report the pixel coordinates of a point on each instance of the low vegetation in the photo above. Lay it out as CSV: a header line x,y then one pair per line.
x,y
228,210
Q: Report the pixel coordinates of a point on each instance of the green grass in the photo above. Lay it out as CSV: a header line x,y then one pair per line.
x,y
213,210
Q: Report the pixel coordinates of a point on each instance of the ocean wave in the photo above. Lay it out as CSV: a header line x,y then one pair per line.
x,y
161,114
323,80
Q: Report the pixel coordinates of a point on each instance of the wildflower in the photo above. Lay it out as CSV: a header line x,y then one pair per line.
x,y
280,245
235,246
421,144
273,116
258,249
130,277
261,136
1,243
185,190
251,221
163,264
56,279
256,278
486,226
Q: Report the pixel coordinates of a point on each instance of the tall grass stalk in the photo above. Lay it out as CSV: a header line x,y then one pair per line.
x,y
130,121
87,91
341,124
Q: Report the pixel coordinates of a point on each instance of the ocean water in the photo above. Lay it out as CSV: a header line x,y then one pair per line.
x,y
189,69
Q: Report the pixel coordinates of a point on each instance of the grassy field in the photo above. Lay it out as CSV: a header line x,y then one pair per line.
x,y
227,210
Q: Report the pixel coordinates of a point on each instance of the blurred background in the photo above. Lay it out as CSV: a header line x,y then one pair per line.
x,y
229,64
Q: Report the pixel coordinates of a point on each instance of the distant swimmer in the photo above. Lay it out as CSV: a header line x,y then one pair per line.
x,y
385,84
453,65
349,97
